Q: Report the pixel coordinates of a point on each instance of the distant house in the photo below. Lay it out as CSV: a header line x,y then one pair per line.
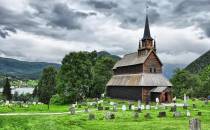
x,y
139,75
25,90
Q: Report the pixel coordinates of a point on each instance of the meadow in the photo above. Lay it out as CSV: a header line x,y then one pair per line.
x,y
124,120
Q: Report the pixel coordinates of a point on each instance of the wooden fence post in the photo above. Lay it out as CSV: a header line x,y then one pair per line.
x,y
195,124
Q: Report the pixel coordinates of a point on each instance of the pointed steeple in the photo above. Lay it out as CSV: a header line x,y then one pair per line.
x,y
147,35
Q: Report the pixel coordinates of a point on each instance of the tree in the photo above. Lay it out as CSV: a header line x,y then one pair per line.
x,y
7,90
75,76
102,72
46,85
185,82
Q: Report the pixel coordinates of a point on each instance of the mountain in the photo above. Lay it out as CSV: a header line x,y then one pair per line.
x,y
168,69
104,53
199,64
23,69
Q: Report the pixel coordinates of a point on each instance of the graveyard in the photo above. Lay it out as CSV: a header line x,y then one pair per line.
x,y
105,114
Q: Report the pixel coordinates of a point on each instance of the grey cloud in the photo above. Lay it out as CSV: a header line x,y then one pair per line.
x,y
102,4
68,18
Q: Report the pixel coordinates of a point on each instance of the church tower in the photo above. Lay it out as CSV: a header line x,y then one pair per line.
x,y
146,43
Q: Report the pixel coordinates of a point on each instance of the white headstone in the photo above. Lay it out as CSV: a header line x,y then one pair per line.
x,y
157,100
147,107
7,103
188,113
139,103
142,107
112,103
132,107
124,107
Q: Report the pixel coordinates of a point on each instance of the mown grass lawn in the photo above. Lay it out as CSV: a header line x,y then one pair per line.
x,y
123,120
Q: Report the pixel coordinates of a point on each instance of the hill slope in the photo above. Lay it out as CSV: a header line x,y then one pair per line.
x,y
23,69
199,64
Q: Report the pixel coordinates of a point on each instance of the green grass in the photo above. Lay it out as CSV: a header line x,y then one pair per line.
x,y
123,120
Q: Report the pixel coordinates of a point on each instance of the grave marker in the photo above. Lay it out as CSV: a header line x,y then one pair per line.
x,y
195,124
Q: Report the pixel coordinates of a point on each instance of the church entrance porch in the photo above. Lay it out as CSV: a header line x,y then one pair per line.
x,y
163,93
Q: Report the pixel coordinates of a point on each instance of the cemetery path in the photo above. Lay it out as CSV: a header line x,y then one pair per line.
x,y
35,113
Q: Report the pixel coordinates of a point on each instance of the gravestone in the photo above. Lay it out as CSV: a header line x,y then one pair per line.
x,y
133,107
147,115
173,109
106,108
177,114
188,113
109,115
142,107
195,124
86,109
194,106
123,107
72,110
129,107
199,113
148,107
206,102
135,115
91,116
139,103
162,114
115,107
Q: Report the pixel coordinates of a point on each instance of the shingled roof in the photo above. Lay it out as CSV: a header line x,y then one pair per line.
x,y
132,59
142,79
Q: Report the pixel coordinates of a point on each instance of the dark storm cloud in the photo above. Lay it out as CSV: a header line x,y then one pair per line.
x,y
102,4
65,17
54,14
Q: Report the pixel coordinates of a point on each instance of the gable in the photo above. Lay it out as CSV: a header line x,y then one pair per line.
x,y
152,58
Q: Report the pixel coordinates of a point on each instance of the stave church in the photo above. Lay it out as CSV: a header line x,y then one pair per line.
x,y
138,75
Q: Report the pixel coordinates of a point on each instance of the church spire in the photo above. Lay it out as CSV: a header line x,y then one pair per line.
x,y
147,35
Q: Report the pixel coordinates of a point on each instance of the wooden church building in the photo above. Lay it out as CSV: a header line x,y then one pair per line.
x,y
138,75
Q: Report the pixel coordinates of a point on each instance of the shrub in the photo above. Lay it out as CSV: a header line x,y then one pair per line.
x,y
57,100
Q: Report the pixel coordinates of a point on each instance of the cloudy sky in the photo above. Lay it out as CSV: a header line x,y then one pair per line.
x,y
46,30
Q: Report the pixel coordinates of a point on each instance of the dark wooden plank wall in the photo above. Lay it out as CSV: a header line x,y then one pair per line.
x,y
151,61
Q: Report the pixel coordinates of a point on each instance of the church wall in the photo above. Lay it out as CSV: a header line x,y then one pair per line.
x,y
152,61
133,69
124,92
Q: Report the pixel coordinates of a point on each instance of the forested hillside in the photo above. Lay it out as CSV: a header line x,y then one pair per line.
x,y
199,64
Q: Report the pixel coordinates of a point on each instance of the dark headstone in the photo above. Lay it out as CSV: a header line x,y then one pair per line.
x,y
162,114
199,113
173,109
106,108
185,107
194,106
100,108
136,115
147,115
91,116
129,106
109,115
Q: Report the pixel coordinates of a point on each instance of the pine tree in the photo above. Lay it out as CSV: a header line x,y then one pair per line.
x,y
7,90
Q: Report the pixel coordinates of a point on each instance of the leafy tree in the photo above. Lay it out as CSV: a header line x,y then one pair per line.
x,y
46,85
75,76
102,72
205,74
185,82
7,90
